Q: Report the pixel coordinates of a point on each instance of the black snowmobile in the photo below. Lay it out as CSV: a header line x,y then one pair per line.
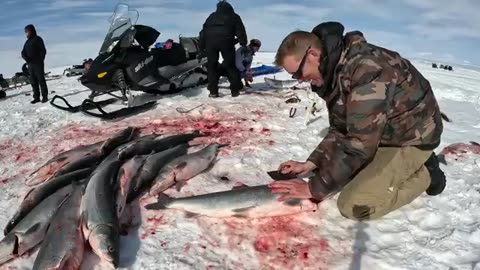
x,y
126,63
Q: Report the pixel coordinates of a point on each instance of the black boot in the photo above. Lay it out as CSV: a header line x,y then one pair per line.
x,y
439,181
35,101
44,100
214,95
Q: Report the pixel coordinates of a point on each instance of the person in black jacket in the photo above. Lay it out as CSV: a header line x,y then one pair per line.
x,y
34,53
221,31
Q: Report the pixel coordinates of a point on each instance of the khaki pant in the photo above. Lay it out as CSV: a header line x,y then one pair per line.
x,y
394,178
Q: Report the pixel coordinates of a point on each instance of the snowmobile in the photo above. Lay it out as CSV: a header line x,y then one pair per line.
x,y
126,63
77,70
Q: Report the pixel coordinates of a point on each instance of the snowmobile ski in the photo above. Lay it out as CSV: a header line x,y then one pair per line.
x,y
114,115
74,109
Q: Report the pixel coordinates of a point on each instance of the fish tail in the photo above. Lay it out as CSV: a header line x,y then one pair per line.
x,y
441,159
162,201
474,143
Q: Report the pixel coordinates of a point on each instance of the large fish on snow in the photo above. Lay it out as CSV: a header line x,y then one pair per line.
x,y
126,175
32,229
39,193
156,143
242,202
63,245
79,157
99,215
184,168
152,165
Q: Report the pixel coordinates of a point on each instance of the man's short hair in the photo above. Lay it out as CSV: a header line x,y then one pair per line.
x,y
296,43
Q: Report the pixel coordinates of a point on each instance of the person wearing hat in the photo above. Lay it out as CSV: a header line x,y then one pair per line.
x,y
220,32
34,53
384,121
244,59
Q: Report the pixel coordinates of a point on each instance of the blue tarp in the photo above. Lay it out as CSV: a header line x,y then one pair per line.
x,y
264,70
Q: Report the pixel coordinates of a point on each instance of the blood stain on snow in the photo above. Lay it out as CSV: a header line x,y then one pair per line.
x,y
280,242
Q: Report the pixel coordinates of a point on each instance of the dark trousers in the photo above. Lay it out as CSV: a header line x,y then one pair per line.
x,y
227,50
37,80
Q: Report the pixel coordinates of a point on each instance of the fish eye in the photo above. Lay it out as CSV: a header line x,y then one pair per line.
x,y
111,249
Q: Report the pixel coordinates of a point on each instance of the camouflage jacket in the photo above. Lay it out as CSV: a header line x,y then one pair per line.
x,y
377,98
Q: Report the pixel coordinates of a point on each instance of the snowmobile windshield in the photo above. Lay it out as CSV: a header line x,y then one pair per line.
x,y
121,21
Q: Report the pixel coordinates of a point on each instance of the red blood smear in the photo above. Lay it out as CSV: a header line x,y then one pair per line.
x,y
209,267
224,129
186,248
280,242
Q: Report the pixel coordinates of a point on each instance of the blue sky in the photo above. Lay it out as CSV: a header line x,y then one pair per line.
x,y
442,30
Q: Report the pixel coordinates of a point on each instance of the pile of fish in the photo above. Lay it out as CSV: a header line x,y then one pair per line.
x,y
79,195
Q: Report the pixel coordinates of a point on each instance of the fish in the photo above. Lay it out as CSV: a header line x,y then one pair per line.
x,y
99,216
241,202
127,173
39,193
31,230
63,245
458,149
156,144
79,157
184,168
152,165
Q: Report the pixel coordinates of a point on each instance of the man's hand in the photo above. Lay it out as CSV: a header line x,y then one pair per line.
x,y
293,189
296,167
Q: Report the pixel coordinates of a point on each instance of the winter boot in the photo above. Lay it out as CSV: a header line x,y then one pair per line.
x,y
214,95
44,100
439,181
35,101
235,93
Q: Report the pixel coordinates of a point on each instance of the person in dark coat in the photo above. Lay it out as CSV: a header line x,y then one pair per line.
x,y
34,53
221,31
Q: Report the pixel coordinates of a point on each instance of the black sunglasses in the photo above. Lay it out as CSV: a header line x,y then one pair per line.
x,y
299,73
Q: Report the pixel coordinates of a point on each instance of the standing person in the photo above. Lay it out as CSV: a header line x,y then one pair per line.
x,y
34,53
219,34
384,124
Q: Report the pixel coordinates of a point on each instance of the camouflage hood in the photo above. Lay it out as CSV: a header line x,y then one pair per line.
x,y
331,36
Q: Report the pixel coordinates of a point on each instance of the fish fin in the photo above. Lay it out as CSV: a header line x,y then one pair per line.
x,y
190,214
293,202
223,145
162,200
33,229
441,159
474,143
30,191
238,185
181,165
241,210
445,117
179,185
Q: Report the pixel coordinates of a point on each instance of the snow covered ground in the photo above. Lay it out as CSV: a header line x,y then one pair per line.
x,y
440,232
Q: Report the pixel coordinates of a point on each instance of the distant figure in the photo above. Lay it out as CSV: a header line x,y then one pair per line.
x,y
34,53
243,61
434,65
218,36
450,68
3,82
